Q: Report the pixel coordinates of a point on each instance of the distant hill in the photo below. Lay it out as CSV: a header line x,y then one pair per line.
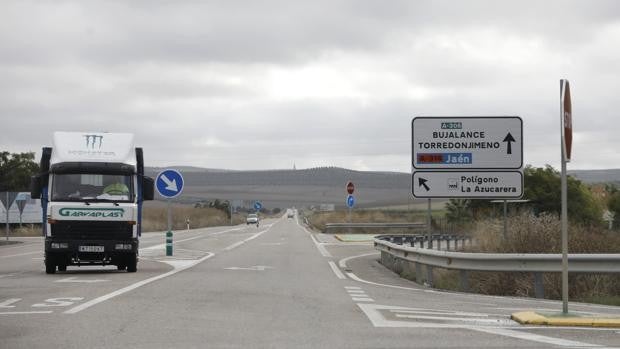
x,y
315,186
597,176
283,188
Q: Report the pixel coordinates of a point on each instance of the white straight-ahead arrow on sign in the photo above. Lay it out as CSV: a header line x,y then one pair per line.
x,y
170,184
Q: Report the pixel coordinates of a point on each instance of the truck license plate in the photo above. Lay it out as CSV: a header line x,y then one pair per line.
x,y
91,248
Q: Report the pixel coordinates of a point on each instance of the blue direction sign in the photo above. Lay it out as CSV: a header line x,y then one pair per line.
x,y
169,183
350,201
258,205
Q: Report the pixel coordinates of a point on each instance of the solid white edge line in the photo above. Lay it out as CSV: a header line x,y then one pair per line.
x,y
134,286
318,244
25,312
337,271
343,262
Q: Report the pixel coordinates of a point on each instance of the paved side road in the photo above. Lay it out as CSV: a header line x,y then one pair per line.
x,y
276,286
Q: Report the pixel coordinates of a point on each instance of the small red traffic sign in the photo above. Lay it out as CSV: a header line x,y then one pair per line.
x,y
567,119
350,188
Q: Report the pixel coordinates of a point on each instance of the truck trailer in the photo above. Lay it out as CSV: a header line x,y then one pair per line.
x,y
92,187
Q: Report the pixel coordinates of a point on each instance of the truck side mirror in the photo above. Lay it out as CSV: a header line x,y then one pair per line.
x,y
35,187
148,188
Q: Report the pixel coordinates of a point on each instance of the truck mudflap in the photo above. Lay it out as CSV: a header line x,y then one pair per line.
x,y
60,253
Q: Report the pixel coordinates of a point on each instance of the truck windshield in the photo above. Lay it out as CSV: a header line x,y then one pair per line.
x,y
92,187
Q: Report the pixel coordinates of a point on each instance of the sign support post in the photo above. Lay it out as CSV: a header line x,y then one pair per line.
x,y
350,200
169,184
429,225
566,144
7,216
505,219
169,232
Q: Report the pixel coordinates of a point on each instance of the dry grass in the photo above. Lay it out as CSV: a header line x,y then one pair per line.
x,y
319,219
24,230
528,233
156,218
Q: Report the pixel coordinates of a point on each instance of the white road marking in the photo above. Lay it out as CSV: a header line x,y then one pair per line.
x,y
233,246
25,312
376,317
254,268
435,312
162,246
58,302
534,337
85,281
132,287
320,246
7,303
336,271
375,314
455,319
352,288
362,299
354,277
343,262
355,291
21,254
6,276
237,244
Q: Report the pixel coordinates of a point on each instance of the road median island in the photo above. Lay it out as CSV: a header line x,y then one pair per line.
x,y
558,319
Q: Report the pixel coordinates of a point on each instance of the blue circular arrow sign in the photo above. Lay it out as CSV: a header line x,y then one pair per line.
x,y
258,205
350,201
169,183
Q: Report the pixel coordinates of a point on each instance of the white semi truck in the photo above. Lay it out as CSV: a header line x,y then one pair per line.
x,y
92,186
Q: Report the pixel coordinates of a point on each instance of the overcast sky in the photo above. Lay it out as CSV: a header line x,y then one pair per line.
x,y
265,84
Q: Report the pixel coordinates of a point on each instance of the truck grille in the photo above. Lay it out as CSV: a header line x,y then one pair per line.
x,y
85,230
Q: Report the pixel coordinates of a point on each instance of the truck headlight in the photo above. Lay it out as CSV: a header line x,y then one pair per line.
x,y
123,246
60,245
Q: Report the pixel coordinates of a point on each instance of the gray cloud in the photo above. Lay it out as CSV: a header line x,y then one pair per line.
x,y
263,84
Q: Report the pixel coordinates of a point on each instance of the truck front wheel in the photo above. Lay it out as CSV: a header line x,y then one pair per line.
x,y
50,267
132,264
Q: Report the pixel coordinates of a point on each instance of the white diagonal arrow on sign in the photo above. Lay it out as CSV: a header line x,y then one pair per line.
x,y
75,279
170,184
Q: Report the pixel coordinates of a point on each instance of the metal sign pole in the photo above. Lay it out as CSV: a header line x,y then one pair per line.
x,y
349,219
169,233
566,126
7,216
564,238
429,225
505,219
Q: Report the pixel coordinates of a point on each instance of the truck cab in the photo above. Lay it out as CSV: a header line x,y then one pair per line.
x,y
92,187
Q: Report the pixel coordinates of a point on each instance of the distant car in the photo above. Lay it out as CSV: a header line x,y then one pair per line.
x,y
290,214
252,218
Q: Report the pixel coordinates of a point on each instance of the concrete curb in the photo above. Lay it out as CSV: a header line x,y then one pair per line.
x,y
533,318
355,237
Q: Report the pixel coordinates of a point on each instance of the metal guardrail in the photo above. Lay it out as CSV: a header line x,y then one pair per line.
x,y
392,250
332,226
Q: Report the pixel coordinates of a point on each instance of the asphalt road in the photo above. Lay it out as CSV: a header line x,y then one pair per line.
x,y
275,286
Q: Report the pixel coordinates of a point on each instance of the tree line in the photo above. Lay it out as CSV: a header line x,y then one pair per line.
x,y
586,203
